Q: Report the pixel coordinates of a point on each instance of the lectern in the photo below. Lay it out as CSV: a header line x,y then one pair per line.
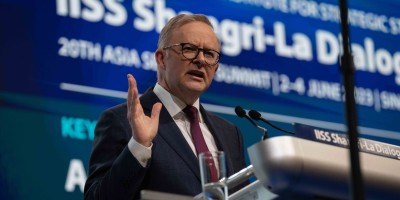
x,y
288,166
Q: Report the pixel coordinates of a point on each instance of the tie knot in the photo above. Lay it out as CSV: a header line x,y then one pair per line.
x,y
191,113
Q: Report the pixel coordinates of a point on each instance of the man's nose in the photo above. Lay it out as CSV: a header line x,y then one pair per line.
x,y
200,60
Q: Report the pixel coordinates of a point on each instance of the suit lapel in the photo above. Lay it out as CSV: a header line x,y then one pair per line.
x,y
169,131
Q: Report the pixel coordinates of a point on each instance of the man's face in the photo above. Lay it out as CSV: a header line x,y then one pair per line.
x,y
188,79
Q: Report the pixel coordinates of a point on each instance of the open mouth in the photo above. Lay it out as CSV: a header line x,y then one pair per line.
x,y
196,73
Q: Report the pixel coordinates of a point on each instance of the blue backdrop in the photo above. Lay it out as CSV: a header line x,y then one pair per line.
x,y
64,61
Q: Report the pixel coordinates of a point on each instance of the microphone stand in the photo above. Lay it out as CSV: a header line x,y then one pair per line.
x,y
347,67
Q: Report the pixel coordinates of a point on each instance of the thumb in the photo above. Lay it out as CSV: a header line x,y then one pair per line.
x,y
155,112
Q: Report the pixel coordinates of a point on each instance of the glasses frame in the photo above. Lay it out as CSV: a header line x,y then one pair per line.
x,y
182,44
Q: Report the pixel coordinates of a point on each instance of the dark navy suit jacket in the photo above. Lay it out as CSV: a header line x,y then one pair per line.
x,y
114,173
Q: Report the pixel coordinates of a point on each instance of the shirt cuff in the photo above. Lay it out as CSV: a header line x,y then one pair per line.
x,y
140,152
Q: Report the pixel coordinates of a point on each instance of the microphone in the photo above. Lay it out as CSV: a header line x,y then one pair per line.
x,y
257,116
240,112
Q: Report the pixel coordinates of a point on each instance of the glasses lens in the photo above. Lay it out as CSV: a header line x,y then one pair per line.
x,y
191,51
210,56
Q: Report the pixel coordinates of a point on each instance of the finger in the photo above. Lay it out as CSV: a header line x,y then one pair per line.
x,y
155,112
133,94
134,103
129,97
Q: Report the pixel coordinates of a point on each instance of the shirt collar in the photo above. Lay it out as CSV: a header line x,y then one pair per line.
x,y
173,105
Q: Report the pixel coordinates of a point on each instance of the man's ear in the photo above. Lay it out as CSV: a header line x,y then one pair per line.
x,y
159,56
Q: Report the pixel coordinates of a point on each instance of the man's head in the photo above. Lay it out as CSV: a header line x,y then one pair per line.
x,y
187,56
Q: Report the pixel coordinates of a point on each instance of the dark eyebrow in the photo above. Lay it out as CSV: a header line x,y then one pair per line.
x,y
200,47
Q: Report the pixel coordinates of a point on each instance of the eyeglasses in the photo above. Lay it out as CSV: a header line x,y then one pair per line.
x,y
191,51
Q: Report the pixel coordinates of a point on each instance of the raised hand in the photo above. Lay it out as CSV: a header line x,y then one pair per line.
x,y
144,128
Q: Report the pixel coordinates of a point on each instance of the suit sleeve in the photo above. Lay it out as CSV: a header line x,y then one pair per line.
x,y
114,173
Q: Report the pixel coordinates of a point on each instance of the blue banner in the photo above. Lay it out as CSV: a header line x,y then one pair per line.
x,y
62,62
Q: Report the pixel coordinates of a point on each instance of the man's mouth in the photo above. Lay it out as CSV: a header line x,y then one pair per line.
x,y
196,73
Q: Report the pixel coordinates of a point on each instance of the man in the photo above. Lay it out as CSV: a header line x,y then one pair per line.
x,y
146,143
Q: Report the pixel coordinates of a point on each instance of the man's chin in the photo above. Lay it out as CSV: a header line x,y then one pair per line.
x,y
197,87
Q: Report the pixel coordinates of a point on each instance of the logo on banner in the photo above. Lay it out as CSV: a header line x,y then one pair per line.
x,y
341,140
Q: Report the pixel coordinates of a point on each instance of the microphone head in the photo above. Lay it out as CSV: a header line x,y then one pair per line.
x,y
255,115
240,112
